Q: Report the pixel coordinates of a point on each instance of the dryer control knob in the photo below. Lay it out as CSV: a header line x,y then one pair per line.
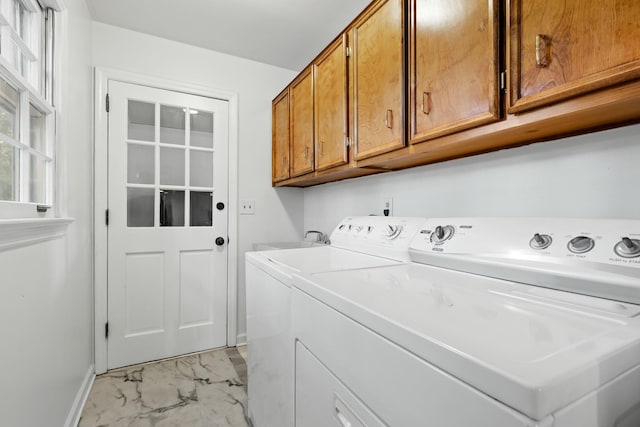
x,y
442,233
627,248
540,241
581,244
393,231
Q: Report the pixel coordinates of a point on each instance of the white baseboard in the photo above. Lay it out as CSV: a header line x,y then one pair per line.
x,y
241,339
81,398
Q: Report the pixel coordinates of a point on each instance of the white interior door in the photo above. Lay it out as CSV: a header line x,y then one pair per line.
x,y
167,233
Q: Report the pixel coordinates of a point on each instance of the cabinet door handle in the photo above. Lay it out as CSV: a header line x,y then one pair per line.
x,y
426,102
388,120
542,50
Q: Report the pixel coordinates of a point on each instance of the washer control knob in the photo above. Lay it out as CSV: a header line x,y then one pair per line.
x,y
393,231
358,228
540,241
442,233
627,248
581,244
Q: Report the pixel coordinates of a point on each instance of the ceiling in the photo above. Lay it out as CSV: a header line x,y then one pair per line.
x,y
284,33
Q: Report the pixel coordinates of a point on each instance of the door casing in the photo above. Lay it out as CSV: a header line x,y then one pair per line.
x,y
102,76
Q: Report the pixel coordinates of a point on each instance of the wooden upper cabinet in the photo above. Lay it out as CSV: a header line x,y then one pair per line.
x,y
280,137
330,101
453,66
377,45
562,48
301,92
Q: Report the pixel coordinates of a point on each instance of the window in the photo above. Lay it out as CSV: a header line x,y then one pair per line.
x,y
26,104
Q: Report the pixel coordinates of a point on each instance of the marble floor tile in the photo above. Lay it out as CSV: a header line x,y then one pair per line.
x,y
201,390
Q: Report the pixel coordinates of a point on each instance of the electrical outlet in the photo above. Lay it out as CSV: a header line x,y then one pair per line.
x,y
387,206
247,207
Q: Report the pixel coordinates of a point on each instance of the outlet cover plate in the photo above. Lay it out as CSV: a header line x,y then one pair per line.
x,y
247,207
387,204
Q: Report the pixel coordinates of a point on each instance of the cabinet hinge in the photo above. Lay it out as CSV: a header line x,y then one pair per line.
x,y
106,217
106,330
503,81
107,102
348,51
346,142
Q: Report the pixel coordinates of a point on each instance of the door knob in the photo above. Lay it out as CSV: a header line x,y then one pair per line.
x,y
219,241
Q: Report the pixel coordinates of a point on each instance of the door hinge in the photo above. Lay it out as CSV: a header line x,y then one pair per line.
x,y
106,217
346,142
348,51
503,81
106,330
107,103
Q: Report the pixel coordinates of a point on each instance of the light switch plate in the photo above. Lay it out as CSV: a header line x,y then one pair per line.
x,y
247,207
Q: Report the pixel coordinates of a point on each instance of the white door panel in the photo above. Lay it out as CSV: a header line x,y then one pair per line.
x,y
167,278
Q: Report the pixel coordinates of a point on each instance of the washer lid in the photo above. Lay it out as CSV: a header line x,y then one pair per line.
x,y
316,259
535,353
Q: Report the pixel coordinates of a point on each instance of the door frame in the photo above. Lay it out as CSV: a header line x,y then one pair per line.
x,y
102,75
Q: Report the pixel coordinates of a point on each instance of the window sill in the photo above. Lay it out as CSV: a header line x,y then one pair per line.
x,y
15,233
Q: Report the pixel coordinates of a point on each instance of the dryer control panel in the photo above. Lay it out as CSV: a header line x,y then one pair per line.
x,y
383,236
589,256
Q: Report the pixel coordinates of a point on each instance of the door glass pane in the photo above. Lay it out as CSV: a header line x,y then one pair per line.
x,y
201,128
140,164
201,169
171,208
142,121
9,103
201,208
171,166
36,128
172,125
140,207
36,179
8,172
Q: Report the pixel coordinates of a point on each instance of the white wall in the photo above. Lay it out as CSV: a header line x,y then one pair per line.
x,y
46,289
593,176
278,212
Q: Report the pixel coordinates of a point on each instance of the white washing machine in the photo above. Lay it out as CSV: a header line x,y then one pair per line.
x,y
357,242
495,323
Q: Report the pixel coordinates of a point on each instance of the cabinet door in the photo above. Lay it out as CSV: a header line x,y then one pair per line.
x,y
331,106
377,40
280,137
301,91
562,48
454,66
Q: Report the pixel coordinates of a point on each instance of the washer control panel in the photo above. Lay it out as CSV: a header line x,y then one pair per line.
x,y
608,241
593,256
385,236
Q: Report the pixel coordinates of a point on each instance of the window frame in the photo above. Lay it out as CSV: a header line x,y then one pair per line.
x,y
43,32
